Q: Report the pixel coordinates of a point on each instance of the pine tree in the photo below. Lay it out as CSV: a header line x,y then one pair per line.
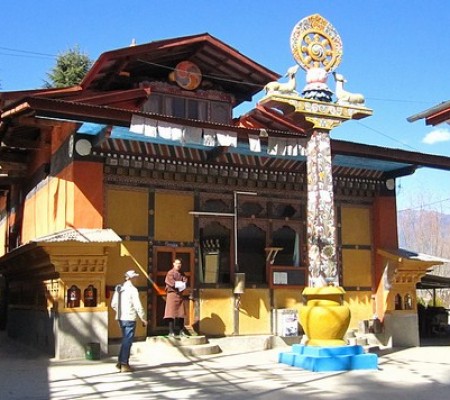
x,y
71,67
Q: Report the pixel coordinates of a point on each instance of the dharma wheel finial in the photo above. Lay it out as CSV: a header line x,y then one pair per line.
x,y
317,48
315,43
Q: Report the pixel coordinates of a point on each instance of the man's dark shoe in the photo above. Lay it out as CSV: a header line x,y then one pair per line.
x,y
118,366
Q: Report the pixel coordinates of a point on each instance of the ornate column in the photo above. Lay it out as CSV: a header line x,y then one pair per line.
x,y
317,48
320,214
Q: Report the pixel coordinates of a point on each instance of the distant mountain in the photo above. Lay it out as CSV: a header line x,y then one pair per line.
x,y
424,231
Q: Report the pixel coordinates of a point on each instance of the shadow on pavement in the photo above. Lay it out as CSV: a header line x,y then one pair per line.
x,y
24,371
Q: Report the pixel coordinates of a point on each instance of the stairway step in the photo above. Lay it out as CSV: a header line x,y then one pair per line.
x,y
178,341
200,349
188,346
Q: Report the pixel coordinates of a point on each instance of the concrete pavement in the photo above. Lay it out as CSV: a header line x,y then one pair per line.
x,y
163,373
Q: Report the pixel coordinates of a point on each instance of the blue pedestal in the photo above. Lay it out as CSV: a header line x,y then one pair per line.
x,y
333,358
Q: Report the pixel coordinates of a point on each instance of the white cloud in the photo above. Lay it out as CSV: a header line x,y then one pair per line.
x,y
436,136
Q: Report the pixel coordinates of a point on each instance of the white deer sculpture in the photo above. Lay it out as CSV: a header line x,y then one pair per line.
x,y
284,87
344,97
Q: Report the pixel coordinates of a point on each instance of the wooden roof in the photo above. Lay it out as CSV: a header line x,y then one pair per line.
x,y
21,125
110,95
220,64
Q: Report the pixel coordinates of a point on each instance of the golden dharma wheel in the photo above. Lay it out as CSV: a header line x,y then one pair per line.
x,y
315,43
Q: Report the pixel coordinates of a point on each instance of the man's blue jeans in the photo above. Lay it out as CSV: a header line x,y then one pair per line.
x,y
128,328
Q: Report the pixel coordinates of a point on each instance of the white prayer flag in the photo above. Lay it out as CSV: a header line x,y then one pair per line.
x,y
150,128
254,143
137,124
227,139
209,138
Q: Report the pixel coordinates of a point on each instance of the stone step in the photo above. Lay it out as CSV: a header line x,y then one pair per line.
x,y
188,346
178,340
200,349
201,345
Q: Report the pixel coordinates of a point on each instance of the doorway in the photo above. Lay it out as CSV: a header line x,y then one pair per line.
x,y
163,257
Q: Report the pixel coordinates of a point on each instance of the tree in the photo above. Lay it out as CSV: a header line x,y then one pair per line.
x,y
71,67
427,230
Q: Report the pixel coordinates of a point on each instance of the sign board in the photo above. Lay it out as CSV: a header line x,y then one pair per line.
x,y
287,276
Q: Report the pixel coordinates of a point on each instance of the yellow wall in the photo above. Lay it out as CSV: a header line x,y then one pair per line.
x,y
127,212
361,307
288,298
127,215
216,312
254,314
358,267
172,219
357,262
128,255
356,225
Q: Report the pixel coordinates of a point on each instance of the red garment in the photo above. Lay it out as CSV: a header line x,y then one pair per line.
x,y
174,300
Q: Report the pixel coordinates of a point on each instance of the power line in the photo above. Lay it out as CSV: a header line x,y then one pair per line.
x,y
387,136
400,100
25,53
27,56
35,54
425,205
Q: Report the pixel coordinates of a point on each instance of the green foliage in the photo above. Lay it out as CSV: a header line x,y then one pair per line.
x,y
439,302
70,69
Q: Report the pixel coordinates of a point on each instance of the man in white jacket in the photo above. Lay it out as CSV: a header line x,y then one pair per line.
x,y
128,307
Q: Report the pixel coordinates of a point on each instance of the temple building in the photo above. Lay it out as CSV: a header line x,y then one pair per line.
x,y
143,162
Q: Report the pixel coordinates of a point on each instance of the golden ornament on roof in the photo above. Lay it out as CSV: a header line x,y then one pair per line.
x,y
315,43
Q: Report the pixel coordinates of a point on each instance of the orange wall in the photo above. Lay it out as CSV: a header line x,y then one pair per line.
x,y
89,194
385,236
385,227
74,198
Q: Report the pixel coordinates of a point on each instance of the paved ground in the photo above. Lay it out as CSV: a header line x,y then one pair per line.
x,y
162,373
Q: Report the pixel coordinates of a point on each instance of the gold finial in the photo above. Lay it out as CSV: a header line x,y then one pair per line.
x,y
315,43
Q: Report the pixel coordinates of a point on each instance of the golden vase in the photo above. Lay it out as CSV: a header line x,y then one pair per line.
x,y
324,316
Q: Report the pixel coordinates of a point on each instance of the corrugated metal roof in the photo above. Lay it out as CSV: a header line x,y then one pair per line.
x,y
80,235
401,254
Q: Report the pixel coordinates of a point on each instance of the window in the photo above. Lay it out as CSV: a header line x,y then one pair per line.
x,y
186,107
398,302
408,302
153,104
287,239
220,112
251,253
215,254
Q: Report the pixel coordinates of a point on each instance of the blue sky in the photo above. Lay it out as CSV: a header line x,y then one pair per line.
x,y
395,52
